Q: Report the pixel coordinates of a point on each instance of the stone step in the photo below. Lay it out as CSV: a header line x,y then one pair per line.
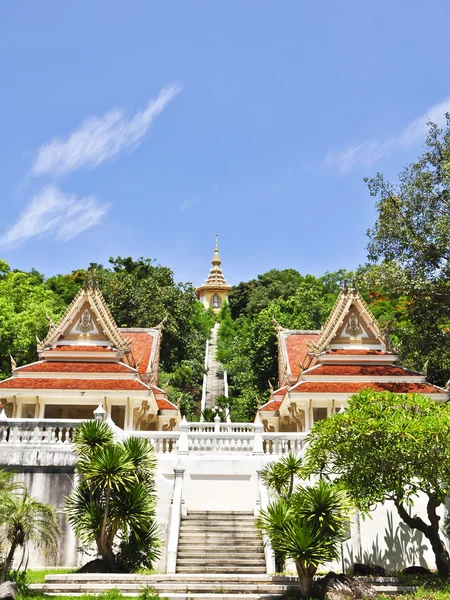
x,y
237,517
172,587
200,546
219,515
220,534
149,580
203,554
210,561
223,569
197,528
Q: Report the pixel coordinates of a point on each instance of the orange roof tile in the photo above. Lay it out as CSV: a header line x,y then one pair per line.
x,y
165,405
141,348
76,348
297,347
54,366
48,383
271,406
354,370
350,387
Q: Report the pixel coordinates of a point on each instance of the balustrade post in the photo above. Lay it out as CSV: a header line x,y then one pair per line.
x,y
175,517
183,441
258,447
217,424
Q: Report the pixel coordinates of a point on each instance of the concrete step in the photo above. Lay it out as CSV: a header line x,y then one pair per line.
x,y
235,534
218,514
171,588
219,562
223,569
203,554
248,529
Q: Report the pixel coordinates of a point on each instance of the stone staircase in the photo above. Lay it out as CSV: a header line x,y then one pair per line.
x,y
195,586
217,542
215,384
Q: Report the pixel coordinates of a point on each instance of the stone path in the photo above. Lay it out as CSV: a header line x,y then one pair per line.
x,y
215,384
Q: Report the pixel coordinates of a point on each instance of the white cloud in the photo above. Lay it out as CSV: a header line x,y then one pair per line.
x,y
367,153
52,212
99,139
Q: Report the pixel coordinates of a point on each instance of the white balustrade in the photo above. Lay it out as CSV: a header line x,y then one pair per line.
x,y
37,431
283,443
215,438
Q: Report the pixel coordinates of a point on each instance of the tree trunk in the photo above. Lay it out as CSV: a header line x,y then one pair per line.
x,y
431,532
305,580
8,561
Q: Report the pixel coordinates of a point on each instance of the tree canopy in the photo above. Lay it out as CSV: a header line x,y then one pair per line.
x,y
389,446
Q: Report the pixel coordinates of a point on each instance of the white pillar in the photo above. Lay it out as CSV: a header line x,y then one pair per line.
x,y
183,442
258,447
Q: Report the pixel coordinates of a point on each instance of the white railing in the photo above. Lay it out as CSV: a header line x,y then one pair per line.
x,y
206,438
37,431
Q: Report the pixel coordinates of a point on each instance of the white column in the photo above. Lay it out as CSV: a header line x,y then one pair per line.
x,y
183,442
258,447
175,518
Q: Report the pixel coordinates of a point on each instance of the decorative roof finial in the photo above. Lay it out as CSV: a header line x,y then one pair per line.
x,y
216,258
13,363
345,286
354,290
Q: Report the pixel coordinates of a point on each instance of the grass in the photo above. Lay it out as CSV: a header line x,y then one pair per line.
x,y
38,575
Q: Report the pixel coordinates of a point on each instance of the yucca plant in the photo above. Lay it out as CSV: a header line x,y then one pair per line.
x,y
305,523
114,502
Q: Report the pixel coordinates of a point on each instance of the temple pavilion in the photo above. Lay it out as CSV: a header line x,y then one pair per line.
x,y
85,361
319,370
215,290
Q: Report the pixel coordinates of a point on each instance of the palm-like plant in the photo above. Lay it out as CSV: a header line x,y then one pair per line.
x,y
305,523
24,520
115,498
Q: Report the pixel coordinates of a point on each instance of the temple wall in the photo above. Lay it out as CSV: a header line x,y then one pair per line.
x,y
211,482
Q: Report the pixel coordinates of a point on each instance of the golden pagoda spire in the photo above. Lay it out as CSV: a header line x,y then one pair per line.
x,y
215,289
216,258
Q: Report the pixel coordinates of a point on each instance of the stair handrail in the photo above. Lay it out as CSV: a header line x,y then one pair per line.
x,y
175,517
262,502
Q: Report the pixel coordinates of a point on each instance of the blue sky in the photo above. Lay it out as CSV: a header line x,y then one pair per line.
x,y
143,128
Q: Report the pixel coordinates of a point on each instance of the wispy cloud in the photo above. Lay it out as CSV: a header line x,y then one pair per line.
x,y
52,212
368,152
99,139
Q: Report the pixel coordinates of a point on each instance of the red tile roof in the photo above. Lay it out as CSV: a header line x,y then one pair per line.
x,y
297,347
54,366
165,405
141,348
72,384
375,370
344,387
272,406
75,348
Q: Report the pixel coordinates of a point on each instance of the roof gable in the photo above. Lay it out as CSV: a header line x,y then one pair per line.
x,y
351,323
86,320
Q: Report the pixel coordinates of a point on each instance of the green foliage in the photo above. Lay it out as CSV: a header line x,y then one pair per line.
x,y
247,346
24,305
389,446
115,497
411,238
305,524
25,520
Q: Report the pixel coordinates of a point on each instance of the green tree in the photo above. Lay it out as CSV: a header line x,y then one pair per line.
x,y
25,520
411,238
25,304
115,497
389,446
305,524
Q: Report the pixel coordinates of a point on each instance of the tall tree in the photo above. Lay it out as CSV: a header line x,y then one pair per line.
x,y
412,231
389,446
